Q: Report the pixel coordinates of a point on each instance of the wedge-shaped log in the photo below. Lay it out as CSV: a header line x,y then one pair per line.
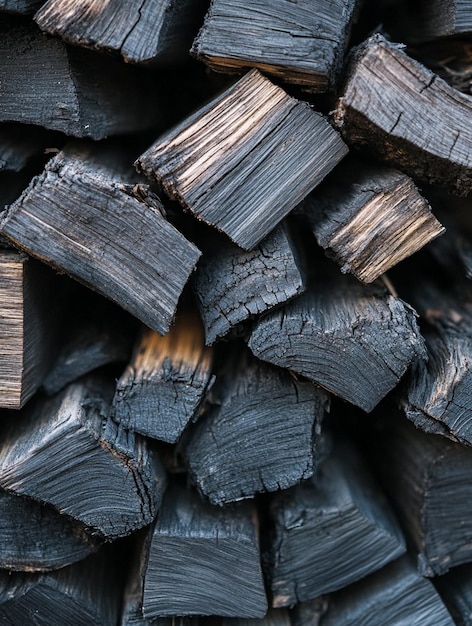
x,y
233,285
114,481
261,435
429,480
395,595
165,383
355,340
27,333
37,538
152,30
330,531
399,109
82,217
87,593
456,591
438,397
203,560
370,218
75,91
300,43
246,159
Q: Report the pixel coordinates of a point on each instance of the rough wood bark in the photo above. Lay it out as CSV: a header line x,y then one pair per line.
x,y
408,115
166,381
23,7
233,286
310,553
438,396
456,591
27,327
87,593
245,160
395,595
261,435
68,89
147,32
83,218
429,480
368,218
300,43
37,538
355,340
191,568
114,481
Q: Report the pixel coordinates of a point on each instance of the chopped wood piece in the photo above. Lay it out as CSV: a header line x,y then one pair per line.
x,y
456,591
27,333
233,285
330,531
261,434
395,595
71,90
23,7
203,560
165,383
37,538
274,617
87,593
401,110
113,482
100,334
355,340
438,397
141,32
301,43
82,217
246,159
433,19
368,218
430,481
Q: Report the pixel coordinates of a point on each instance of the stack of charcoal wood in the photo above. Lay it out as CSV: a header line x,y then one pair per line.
x,y
235,312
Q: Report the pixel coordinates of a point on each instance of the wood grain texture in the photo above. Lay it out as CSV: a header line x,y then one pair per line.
x,y
37,538
330,531
301,43
203,560
141,32
261,435
396,595
68,89
428,478
166,381
233,286
87,593
433,19
22,7
27,327
66,452
456,591
368,218
245,160
86,220
408,115
354,340
438,396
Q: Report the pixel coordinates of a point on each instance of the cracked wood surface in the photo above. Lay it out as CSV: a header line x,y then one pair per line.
x,y
84,218
232,286
301,43
203,560
141,32
246,159
354,340
310,555
67,452
405,113
261,434
369,218
166,381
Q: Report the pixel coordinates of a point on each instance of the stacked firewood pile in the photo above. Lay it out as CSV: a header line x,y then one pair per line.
x,y
235,312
